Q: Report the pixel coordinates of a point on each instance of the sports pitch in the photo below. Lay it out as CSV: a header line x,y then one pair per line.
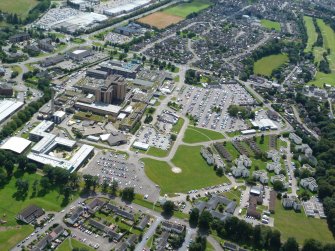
x,y
160,20
174,14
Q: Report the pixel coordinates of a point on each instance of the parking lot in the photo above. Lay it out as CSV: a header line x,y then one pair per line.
x,y
201,103
149,135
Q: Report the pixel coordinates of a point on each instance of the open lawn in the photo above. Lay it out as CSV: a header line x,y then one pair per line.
x,y
177,127
155,151
10,236
272,25
12,203
311,33
299,226
323,78
20,7
70,244
328,44
195,135
184,9
266,65
160,20
195,172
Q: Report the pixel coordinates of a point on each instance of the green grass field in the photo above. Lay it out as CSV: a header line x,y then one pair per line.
x,y
195,135
69,244
184,9
301,227
311,33
177,127
10,206
20,7
155,151
266,65
195,171
272,25
328,43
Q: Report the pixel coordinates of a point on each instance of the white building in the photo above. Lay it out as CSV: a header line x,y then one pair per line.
x,y
47,142
309,183
59,116
240,172
261,176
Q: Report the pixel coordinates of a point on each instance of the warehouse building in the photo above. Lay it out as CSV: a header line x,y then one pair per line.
x,y
8,108
79,54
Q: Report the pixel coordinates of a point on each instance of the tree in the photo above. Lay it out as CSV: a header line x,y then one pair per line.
x,y
278,185
168,208
312,245
199,244
291,245
219,171
128,194
205,220
104,187
194,217
275,242
114,187
3,176
31,167
262,139
89,181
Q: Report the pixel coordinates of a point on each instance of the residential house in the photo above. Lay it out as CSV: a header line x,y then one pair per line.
x,y
30,214
261,176
309,183
240,171
295,138
274,167
281,178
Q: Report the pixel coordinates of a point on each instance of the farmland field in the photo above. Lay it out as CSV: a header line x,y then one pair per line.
x,y
266,65
160,20
270,24
20,7
184,9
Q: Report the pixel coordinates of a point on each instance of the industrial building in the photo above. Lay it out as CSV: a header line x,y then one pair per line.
x,y
16,144
79,54
6,90
126,8
47,142
52,60
125,69
8,108
99,108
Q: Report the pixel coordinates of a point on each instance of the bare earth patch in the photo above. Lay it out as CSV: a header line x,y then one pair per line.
x,y
160,20
176,170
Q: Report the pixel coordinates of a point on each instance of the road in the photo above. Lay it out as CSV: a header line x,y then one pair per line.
x,y
151,231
